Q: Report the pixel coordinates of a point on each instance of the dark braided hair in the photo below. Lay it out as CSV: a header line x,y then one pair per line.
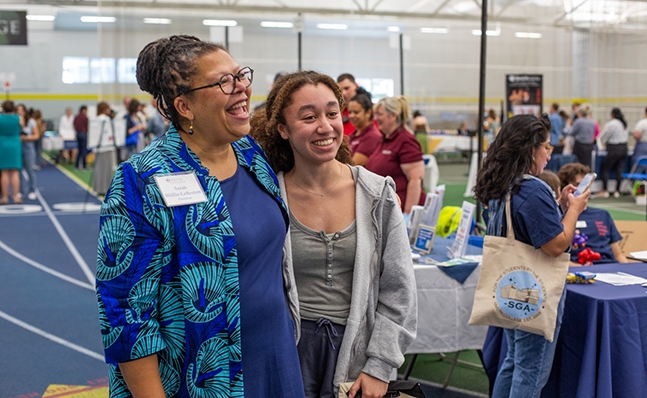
x,y
165,69
511,156
264,121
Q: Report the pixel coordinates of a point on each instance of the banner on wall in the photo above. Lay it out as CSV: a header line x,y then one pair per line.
x,y
13,28
523,94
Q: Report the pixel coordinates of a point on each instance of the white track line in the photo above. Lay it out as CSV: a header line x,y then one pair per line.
x,y
67,240
44,268
51,337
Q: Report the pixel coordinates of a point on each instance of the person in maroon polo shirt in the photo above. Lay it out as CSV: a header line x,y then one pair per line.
x,y
399,155
346,83
366,136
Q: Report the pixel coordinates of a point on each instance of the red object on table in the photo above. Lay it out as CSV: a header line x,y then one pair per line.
x,y
587,256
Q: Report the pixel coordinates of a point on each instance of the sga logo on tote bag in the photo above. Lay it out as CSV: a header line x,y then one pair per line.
x,y
519,286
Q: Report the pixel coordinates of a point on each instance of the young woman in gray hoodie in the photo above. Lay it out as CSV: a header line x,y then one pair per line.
x,y
349,274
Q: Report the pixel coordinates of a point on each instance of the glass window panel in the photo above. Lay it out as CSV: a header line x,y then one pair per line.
x,y
381,88
126,68
76,70
102,70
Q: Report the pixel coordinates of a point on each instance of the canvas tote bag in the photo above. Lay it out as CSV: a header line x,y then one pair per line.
x,y
519,286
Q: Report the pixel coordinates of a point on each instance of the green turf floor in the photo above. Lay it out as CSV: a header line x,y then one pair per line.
x,y
435,368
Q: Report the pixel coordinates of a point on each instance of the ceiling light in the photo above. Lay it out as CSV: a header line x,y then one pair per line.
x,y
45,18
219,22
393,28
527,35
477,32
442,31
333,26
157,21
276,24
95,19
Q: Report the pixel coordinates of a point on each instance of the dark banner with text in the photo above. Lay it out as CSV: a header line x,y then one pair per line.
x,y
524,94
13,28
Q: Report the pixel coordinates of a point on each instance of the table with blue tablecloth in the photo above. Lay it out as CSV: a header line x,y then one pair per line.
x,y
445,304
602,347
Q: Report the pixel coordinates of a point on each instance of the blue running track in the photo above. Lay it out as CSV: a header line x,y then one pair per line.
x,y
49,328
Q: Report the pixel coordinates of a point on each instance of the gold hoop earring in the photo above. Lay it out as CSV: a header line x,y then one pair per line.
x,y
190,128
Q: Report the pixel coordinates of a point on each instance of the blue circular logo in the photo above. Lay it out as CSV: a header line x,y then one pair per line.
x,y
519,295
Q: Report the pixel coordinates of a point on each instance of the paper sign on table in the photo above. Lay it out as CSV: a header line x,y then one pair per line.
x,y
620,279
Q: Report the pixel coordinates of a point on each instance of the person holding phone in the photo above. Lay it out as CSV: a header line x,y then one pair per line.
x,y
514,160
596,224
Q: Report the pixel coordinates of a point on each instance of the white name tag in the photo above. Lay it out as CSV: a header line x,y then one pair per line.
x,y
580,224
386,152
179,189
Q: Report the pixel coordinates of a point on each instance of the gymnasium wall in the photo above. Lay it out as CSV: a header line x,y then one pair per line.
x,y
441,71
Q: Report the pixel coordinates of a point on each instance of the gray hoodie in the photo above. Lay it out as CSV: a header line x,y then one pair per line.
x,y
383,315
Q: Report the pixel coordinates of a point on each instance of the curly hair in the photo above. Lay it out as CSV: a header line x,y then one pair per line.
x,y
569,172
511,156
264,121
165,69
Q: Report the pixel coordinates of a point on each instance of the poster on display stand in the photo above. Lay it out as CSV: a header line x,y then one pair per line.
x,y
102,130
524,94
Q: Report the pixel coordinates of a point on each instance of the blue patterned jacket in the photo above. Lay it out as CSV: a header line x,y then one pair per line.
x,y
167,278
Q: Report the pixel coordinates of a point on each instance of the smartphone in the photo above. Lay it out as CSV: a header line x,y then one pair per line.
x,y
585,184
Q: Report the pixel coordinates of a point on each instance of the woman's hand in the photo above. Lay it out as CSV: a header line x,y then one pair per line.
x,y
574,206
578,203
371,387
563,199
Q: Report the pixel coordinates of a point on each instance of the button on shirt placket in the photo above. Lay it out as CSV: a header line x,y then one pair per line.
x,y
329,258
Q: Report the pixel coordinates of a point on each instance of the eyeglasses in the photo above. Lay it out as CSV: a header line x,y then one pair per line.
x,y
227,83
549,148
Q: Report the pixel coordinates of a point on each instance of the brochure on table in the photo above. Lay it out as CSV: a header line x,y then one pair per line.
x,y
459,247
423,220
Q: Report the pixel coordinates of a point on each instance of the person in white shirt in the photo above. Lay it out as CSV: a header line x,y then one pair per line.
x,y
640,134
68,134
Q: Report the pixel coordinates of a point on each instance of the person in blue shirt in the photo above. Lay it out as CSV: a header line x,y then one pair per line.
x,y
520,153
596,224
556,128
190,282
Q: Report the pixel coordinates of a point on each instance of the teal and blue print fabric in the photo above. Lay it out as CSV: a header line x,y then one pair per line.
x,y
167,278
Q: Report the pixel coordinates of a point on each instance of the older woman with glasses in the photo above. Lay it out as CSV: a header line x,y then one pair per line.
x,y
189,275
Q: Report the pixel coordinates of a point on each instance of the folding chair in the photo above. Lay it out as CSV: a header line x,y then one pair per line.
x,y
639,165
